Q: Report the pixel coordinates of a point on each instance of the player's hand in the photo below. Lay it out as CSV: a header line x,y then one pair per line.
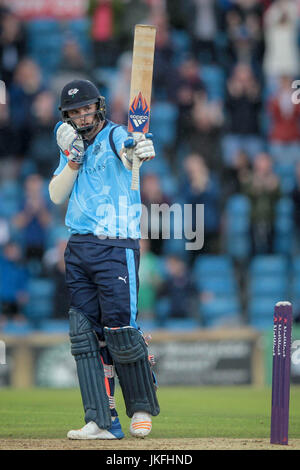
x,y
143,148
70,143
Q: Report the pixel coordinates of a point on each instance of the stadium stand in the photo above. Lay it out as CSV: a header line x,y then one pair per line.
x,y
234,103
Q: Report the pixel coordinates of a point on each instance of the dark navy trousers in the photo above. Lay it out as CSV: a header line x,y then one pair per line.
x,y
103,280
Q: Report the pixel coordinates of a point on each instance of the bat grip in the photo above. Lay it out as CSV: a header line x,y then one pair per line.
x,y
135,177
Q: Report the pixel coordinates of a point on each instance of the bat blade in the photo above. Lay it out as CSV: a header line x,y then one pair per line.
x,y
141,88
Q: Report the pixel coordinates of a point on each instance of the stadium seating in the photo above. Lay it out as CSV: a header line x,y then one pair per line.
x,y
213,264
40,305
164,123
214,277
268,283
268,265
10,198
286,173
276,285
214,79
220,311
237,237
284,227
261,311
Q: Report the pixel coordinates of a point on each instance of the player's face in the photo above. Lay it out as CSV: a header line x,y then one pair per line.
x,y
83,116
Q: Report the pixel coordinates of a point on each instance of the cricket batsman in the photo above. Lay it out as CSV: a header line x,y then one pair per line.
x,y
102,261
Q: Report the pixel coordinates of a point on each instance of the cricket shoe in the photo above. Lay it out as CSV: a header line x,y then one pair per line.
x,y
92,431
141,424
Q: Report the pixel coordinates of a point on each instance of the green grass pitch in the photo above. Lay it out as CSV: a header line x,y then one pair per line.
x,y
190,412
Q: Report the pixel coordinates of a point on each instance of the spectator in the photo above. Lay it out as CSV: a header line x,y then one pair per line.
x,y
285,124
119,89
205,131
12,45
295,196
150,280
27,84
243,107
245,37
205,29
104,31
281,38
189,85
164,73
262,188
151,222
54,267
42,148
202,187
13,283
34,218
8,145
177,294
235,176
129,14
73,60
181,14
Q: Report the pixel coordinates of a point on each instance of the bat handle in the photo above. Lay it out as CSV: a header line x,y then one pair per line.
x,y
135,177
136,163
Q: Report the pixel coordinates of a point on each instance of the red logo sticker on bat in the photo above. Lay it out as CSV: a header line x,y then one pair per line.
x,y
138,117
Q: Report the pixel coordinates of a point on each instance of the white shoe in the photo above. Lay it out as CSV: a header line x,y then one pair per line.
x,y
141,424
90,431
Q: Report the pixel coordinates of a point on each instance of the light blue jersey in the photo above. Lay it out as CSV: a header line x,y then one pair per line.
x,y
101,202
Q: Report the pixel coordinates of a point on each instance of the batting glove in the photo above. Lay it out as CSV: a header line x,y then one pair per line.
x,y
142,148
70,142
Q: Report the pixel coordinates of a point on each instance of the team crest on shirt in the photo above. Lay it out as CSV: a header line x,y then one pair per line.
x,y
73,92
97,149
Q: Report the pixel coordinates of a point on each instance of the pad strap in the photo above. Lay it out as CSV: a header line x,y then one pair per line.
x,y
86,350
130,354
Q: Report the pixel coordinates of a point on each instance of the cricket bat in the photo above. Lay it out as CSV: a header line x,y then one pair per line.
x,y
140,89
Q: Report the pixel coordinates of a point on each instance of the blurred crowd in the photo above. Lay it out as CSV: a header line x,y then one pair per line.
x,y
223,120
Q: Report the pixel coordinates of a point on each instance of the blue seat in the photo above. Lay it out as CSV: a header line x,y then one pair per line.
x,y
238,245
219,310
213,264
284,243
296,265
285,207
237,224
262,308
219,285
80,26
42,27
214,80
147,325
284,224
10,198
295,287
40,304
286,174
268,264
17,329
172,246
238,204
269,285
181,41
181,324
262,324
158,166
79,29
164,122
54,326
